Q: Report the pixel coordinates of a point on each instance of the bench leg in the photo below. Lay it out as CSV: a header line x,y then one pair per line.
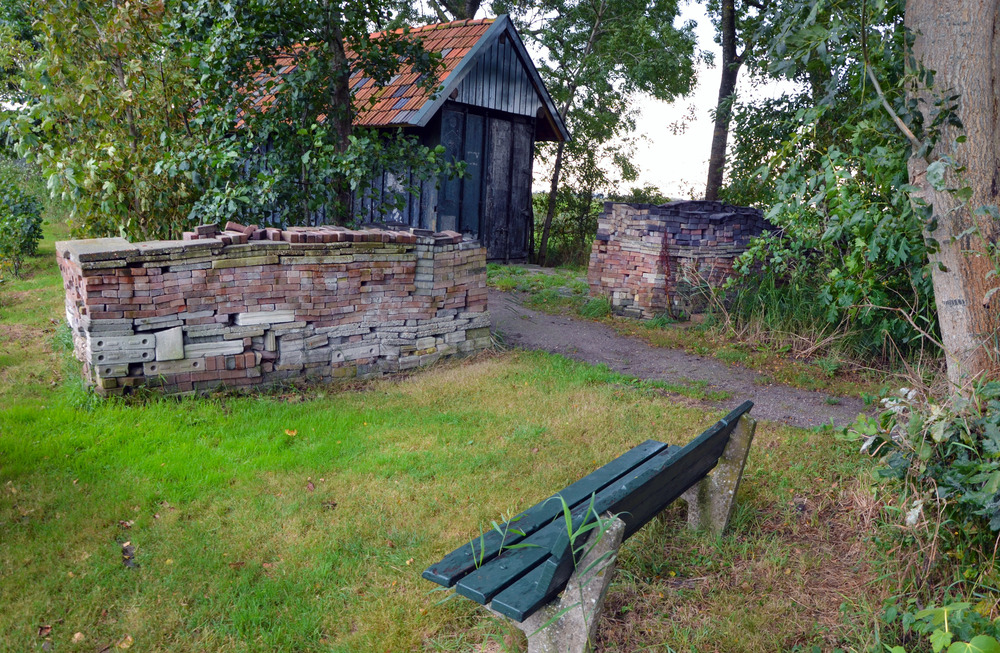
x,y
572,619
711,501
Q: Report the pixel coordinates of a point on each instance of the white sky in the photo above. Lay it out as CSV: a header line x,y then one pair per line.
x,y
678,163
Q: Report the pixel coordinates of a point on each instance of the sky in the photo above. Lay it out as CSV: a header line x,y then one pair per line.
x,y
677,164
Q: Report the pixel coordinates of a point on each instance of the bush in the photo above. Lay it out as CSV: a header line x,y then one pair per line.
x,y
944,458
20,226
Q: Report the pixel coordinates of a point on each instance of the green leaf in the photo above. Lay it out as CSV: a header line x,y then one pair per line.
x,y
979,644
940,639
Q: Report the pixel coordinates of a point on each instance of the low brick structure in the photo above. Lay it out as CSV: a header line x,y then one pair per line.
x,y
651,259
247,306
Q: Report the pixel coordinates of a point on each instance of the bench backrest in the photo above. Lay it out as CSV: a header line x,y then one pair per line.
x,y
635,486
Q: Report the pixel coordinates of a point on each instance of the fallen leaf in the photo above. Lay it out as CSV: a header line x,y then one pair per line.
x,y
310,486
410,561
237,565
156,515
126,523
291,433
43,631
329,505
78,637
126,642
268,565
390,544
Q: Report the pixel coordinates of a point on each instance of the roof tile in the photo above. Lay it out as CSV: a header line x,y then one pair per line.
x,y
401,99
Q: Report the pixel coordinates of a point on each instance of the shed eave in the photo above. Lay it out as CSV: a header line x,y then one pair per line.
x,y
501,25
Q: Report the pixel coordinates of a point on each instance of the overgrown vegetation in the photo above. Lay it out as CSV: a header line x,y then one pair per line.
x,y
849,262
940,464
20,220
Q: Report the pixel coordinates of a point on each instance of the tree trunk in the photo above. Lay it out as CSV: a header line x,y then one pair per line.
x,y
550,209
341,116
724,109
957,40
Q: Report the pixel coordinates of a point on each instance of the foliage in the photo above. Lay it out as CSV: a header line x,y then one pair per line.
x,y
574,225
827,163
18,41
303,158
103,91
20,223
950,453
141,114
944,625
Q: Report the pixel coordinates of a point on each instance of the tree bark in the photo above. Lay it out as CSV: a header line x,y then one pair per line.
x,y
341,116
731,63
958,40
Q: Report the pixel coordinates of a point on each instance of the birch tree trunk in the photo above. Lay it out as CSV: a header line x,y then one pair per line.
x,y
958,40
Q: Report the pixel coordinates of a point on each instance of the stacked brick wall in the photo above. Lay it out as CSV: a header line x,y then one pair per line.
x,y
651,260
248,306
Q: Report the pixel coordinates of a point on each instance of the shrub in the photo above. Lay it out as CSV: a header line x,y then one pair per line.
x,y
20,226
947,458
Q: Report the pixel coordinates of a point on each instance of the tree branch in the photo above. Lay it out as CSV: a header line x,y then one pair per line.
x,y
914,141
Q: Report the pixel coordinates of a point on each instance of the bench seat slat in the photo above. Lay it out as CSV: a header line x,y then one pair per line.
x,y
484,583
466,559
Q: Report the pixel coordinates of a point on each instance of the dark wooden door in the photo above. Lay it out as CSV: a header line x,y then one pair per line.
x,y
519,215
496,194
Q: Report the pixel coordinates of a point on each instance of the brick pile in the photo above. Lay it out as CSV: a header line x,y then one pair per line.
x,y
652,260
244,306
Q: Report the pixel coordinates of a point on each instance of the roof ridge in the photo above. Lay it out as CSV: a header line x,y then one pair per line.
x,y
436,26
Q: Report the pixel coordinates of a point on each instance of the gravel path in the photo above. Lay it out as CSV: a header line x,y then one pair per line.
x,y
592,342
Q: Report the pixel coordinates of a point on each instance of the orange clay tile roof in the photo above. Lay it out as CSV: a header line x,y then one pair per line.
x,y
400,100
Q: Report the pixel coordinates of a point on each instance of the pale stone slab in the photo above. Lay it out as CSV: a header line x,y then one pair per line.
x,y
170,344
264,317
244,262
174,367
712,500
575,615
224,348
109,371
119,356
354,352
104,343
95,249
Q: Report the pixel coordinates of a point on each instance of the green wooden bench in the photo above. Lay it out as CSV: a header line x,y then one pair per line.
x,y
520,572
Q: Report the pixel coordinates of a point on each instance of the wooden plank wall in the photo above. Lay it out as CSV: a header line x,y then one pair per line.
x,y
500,82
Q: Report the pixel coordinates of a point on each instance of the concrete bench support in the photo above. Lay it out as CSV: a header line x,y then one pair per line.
x,y
568,625
711,502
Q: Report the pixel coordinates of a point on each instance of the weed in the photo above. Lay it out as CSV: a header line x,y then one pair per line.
x,y
596,307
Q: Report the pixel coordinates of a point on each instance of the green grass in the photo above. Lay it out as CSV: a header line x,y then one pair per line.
x,y
301,519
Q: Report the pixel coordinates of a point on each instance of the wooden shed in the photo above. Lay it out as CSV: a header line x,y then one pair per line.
x,y
490,111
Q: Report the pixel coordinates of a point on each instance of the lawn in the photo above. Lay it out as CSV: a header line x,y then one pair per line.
x,y
300,519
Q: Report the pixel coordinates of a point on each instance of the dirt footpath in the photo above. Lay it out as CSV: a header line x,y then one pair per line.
x,y
591,342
